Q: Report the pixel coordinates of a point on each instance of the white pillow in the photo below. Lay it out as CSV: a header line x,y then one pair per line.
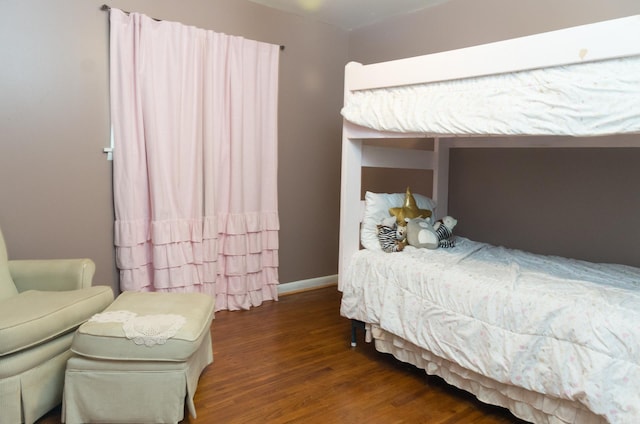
x,y
376,208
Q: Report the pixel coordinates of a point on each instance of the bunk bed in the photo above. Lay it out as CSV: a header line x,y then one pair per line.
x,y
554,340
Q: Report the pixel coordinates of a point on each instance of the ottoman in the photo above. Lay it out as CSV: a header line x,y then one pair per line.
x,y
139,360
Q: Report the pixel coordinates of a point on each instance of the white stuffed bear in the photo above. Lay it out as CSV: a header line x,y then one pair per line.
x,y
420,233
444,231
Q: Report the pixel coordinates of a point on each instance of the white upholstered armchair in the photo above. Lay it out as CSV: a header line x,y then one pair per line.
x,y
42,302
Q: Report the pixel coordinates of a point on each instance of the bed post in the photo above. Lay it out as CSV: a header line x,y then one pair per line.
x,y
441,177
349,203
351,180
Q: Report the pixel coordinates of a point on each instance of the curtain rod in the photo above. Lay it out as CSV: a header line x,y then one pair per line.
x,y
107,8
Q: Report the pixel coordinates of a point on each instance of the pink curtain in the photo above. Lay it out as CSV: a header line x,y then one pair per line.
x,y
194,116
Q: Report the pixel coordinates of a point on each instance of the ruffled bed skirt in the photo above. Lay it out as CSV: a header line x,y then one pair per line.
x,y
525,404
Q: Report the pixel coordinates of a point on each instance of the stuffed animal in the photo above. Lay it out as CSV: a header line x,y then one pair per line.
x,y
444,230
392,238
420,233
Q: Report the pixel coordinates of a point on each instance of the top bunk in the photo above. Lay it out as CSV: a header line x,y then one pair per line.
x,y
580,81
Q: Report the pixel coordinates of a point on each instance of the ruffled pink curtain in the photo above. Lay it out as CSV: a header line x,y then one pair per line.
x,y
194,116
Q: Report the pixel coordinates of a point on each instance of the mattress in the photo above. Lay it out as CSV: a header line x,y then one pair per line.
x,y
566,329
585,99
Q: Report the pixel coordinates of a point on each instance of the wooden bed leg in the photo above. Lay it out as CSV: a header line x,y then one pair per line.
x,y
355,324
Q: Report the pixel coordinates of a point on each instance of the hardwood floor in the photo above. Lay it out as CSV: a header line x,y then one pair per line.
x,y
290,362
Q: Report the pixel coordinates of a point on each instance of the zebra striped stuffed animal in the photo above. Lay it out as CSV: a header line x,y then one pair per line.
x,y
392,238
444,231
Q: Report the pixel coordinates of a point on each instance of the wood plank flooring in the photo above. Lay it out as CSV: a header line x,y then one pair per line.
x,y
290,362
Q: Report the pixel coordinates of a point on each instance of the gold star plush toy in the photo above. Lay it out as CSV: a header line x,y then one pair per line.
x,y
409,209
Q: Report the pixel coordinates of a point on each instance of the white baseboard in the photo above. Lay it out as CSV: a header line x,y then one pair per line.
x,y
310,284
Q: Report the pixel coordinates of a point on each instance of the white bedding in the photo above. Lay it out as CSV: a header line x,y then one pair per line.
x,y
564,328
586,99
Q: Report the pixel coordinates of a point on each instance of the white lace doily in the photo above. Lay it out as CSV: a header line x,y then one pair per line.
x,y
150,330
113,316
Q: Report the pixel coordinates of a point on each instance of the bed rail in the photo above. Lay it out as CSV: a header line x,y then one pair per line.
x,y
586,43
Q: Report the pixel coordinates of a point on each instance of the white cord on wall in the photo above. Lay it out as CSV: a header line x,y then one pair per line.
x,y
109,150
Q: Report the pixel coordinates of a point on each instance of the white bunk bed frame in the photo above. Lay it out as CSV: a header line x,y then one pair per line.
x,y
612,39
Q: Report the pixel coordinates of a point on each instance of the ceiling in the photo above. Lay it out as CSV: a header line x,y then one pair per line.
x,y
349,14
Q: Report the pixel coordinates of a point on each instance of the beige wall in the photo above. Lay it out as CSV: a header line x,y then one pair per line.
x,y
581,203
55,183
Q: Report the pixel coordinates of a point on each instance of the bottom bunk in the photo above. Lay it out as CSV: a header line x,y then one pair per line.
x,y
554,340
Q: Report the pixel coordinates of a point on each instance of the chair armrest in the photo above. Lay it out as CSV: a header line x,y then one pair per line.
x,y
52,274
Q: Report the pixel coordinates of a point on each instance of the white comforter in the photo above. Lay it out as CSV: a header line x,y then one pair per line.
x,y
563,328
588,99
